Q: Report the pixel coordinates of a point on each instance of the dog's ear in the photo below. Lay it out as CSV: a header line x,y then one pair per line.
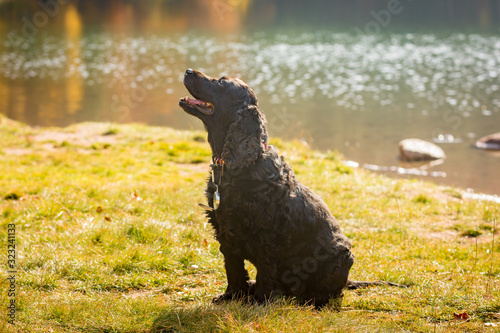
x,y
246,138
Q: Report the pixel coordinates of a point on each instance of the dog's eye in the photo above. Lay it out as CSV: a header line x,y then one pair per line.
x,y
221,82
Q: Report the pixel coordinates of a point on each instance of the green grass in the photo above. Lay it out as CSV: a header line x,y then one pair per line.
x,y
110,239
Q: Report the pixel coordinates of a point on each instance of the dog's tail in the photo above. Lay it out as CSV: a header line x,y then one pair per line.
x,y
363,284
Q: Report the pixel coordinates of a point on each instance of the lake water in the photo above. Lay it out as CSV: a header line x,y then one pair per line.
x,y
357,94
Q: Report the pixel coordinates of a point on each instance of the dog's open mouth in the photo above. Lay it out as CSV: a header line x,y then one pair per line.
x,y
202,106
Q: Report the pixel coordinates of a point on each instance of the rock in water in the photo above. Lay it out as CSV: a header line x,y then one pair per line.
x,y
419,150
490,142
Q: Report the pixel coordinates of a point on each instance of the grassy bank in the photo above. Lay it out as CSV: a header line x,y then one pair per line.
x,y
110,239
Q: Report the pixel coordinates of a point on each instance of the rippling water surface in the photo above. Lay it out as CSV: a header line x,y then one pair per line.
x,y
360,95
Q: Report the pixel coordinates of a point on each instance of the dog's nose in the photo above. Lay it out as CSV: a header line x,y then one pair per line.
x,y
189,71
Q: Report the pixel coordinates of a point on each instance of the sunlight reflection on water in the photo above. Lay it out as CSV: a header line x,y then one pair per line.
x,y
357,94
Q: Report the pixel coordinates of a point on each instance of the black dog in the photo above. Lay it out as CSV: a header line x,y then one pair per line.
x,y
259,210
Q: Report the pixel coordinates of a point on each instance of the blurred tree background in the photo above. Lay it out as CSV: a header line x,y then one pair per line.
x,y
142,15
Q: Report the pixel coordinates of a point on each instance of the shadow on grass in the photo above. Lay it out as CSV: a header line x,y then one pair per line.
x,y
228,317
206,318
280,316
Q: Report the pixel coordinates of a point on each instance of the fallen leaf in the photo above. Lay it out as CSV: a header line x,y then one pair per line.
x,y
461,316
205,242
136,196
99,209
107,218
256,326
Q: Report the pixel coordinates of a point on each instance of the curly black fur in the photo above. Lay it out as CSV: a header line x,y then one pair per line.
x,y
265,215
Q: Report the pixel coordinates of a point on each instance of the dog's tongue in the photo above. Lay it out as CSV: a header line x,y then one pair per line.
x,y
200,105
196,102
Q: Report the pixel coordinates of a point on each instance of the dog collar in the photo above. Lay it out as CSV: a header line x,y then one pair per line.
x,y
219,161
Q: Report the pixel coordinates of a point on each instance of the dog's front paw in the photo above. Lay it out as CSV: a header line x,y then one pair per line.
x,y
222,298
241,295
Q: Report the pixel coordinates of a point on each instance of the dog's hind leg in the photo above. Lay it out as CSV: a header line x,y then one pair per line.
x,y
266,285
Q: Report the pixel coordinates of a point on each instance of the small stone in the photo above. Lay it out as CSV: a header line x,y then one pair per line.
x,y
490,142
419,150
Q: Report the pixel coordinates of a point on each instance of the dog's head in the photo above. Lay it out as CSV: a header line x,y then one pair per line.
x,y
228,108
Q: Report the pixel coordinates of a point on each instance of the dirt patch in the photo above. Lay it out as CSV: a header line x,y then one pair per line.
x,y
441,195
442,235
84,137
17,151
